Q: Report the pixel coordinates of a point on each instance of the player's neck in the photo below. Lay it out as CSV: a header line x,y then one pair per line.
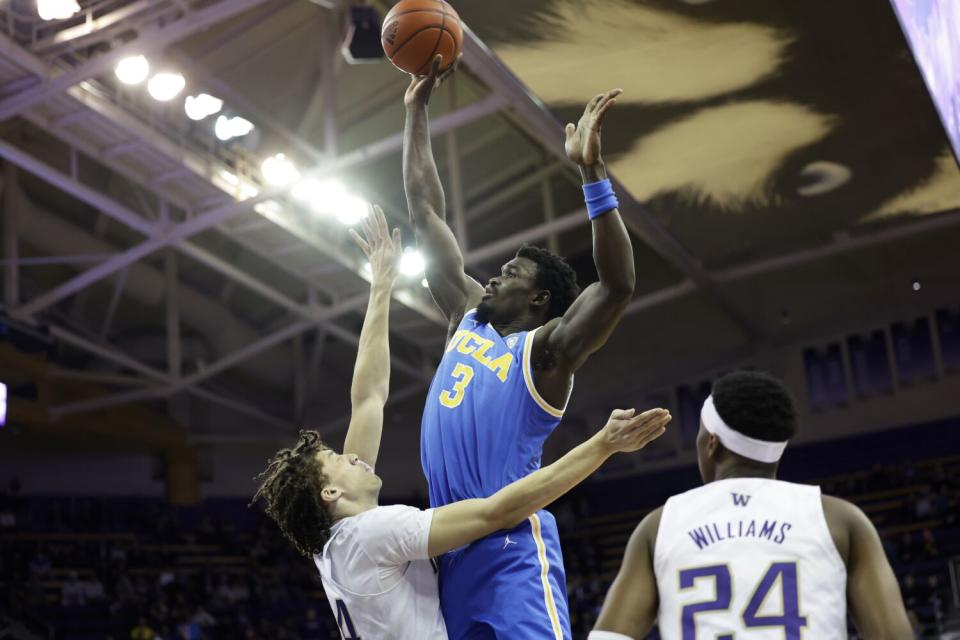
x,y
352,508
746,470
524,323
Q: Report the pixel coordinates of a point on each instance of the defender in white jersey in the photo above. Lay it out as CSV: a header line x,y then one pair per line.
x,y
747,556
375,561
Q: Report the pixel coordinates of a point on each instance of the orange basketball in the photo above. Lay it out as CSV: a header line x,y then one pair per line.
x,y
415,31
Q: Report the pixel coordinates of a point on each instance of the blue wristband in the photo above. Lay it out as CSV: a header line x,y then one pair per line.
x,y
600,198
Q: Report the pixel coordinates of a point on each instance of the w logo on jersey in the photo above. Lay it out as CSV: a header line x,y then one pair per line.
x,y
740,500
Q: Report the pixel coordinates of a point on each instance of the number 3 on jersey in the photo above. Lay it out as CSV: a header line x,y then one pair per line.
x,y
463,375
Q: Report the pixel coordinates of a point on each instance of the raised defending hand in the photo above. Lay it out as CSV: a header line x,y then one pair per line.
x,y
381,248
421,87
583,139
627,431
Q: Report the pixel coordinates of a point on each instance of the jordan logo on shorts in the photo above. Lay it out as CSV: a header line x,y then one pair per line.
x,y
507,542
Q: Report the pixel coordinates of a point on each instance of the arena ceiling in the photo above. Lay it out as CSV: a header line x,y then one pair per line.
x,y
780,165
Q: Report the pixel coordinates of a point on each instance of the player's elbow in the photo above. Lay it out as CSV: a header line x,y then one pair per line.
x,y
619,289
499,514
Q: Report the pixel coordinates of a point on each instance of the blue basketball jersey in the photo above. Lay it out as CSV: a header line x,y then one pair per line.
x,y
484,424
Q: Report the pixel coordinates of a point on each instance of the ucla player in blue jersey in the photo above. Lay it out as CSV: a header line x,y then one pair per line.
x,y
506,374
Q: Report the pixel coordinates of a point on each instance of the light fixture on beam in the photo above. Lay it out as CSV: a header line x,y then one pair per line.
x,y
57,9
166,86
201,106
235,127
279,171
411,263
132,70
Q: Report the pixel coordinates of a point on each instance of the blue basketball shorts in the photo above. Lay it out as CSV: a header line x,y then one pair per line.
x,y
508,585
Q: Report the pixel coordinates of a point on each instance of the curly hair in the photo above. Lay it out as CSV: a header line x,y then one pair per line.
x,y
291,487
554,275
756,404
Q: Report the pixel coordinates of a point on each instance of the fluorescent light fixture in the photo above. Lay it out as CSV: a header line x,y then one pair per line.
x,y
166,86
279,171
352,210
230,177
247,191
411,263
323,196
200,106
330,197
235,127
268,208
57,9
3,403
132,70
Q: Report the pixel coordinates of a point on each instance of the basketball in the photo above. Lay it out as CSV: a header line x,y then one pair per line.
x,y
415,31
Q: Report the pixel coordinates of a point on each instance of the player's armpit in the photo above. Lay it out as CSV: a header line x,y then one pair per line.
x,y
460,523
872,589
630,607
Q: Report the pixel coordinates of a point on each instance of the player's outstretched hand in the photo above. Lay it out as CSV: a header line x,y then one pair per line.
x,y
421,87
381,248
626,430
583,139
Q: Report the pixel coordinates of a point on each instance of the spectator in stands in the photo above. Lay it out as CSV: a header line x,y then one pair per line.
x,y
929,544
310,628
40,564
72,592
923,507
142,631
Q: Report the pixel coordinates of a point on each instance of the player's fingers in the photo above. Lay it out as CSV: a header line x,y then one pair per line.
x,y
649,415
381,222
450,70
368,229
396,237
602,111
360,242
435,66
594,101
622,414
569,130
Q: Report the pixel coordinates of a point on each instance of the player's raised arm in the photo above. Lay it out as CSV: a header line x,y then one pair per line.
x,y
630,608
454,291
872,590
371,373
462,522
587,324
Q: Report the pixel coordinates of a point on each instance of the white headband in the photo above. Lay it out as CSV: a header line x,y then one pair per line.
x,y
759,450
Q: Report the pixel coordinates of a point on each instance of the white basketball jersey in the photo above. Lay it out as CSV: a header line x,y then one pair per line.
x,y
378,577
751,559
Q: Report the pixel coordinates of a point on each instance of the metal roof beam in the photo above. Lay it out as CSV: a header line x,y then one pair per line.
x,y
150,39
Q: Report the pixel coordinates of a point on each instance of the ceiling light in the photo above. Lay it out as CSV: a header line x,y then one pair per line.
x,y
235,127
425,284
279,171
323,196
330,197
166,86
57,9
268,208
132,70
203,105
247,191
411,263
351,210
916,285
